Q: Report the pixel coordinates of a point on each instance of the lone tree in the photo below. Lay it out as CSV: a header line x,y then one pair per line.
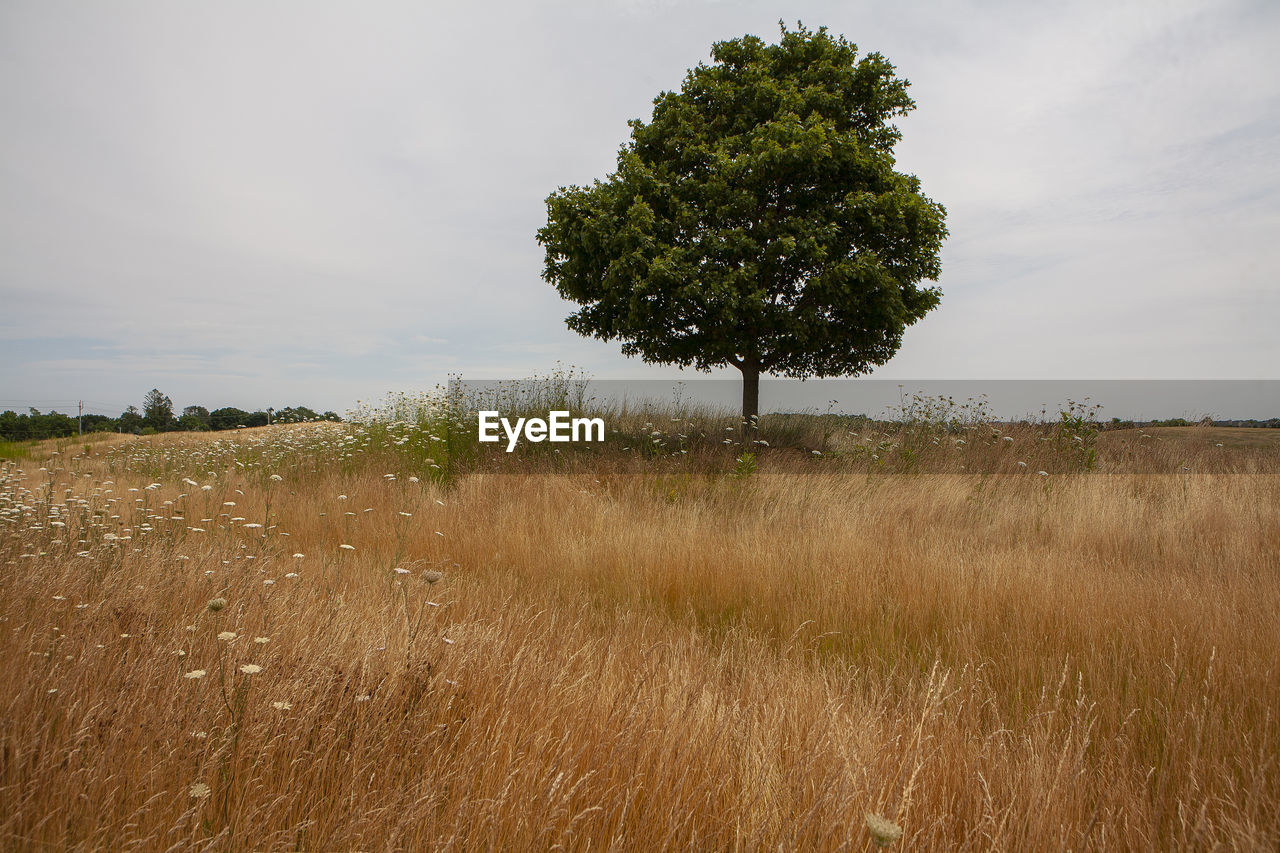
x,y
757,220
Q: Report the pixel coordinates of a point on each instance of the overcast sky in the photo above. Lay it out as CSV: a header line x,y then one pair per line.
x,y
255,204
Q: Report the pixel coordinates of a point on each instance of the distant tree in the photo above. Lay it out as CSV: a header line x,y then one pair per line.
x,y
757,220
295,415
35,425
130,420
58,425
228,417
157,410
332,416
195,414
12,426
99,423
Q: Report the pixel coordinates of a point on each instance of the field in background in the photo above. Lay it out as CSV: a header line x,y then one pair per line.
x,y
713,654
1230,437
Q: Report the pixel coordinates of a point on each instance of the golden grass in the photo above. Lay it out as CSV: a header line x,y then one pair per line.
x,y
633,662
1229,437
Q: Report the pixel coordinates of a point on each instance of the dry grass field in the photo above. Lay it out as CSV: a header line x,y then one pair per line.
x,y
284,639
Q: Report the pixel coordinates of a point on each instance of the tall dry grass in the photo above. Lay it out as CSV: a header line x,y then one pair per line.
x,y
645,662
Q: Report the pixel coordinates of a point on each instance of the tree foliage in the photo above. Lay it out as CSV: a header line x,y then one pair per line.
x,y
194,419
229,417
757,220
131,420
157,410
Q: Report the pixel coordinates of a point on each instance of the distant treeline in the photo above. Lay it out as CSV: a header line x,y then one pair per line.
x,y
157,415
1270,423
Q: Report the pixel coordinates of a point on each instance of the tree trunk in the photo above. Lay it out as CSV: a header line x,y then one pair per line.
x,y
750,401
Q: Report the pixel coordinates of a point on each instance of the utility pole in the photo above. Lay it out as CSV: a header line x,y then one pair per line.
x,y
80,417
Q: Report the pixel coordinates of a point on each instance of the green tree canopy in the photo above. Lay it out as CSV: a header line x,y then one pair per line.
x,y
157,410
130,420
197,416
756,220
228,417
295,414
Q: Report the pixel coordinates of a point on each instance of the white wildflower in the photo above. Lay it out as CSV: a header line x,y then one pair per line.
x,y
883,831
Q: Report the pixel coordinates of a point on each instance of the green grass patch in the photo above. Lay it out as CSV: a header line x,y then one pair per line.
x,y
14,450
